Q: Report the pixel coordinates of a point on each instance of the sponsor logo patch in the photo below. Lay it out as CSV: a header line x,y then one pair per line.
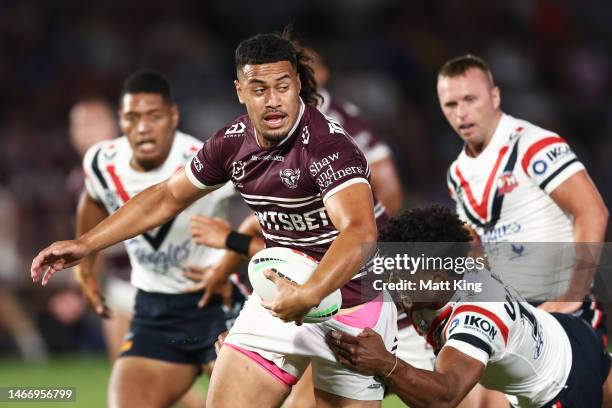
x,y
235,129
539,167
481,325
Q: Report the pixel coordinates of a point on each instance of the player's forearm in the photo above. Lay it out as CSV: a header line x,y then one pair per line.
x,y
250,226
342,260
422,388
589,233
151,208
386,185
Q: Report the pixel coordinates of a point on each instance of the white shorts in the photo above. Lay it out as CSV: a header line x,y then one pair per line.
x,y
285,349
413,349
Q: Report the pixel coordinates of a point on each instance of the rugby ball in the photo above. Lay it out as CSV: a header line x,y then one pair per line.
x,y
294,266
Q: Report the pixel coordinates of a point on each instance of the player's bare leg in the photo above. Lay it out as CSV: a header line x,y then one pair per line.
x,y
607,392
327,400
144,382
302,393
20,326
238,381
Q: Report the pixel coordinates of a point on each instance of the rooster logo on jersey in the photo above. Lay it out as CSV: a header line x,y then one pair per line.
x,y
290,177
506,183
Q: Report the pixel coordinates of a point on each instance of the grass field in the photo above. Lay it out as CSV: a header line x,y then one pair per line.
x,y
89,375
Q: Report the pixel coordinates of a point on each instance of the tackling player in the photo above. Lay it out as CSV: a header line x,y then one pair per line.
x,y
302,175
490,336
170,337
516,182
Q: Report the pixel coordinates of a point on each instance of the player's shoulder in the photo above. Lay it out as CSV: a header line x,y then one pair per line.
x,y
234,132
105,152
187,144
528,133
319,129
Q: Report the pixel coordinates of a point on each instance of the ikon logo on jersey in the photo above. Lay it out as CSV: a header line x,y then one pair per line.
x,y
481,324
506,183
558,152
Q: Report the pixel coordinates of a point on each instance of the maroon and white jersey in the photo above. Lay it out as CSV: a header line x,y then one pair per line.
x,y
360,129
288,184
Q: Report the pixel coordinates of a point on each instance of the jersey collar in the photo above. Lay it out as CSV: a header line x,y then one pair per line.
x,y
499,138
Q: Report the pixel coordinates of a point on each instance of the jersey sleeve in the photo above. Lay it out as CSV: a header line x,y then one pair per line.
x,y
337,162
548,160
94,180
364,134
206,170
478,330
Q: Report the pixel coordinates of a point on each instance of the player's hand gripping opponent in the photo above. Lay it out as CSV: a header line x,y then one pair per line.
x,y
59,255
291,302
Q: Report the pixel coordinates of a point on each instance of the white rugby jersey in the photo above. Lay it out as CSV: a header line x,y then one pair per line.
x,y
158,257
525,350
504,195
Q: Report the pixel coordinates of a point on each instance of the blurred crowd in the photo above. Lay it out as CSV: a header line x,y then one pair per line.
x,y
551,59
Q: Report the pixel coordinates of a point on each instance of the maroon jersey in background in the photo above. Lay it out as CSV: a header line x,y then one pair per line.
x,y
362,132
287,184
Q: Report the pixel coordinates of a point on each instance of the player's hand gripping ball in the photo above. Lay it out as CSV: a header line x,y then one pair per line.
x,y
294,266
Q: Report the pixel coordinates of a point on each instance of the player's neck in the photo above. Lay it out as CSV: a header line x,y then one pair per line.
x,y
474,149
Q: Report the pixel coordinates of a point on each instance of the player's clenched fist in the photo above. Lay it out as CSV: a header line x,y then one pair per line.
x,y
57,256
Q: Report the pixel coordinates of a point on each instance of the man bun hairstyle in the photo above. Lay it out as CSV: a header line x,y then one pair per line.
x,y
269,48
148,81
458,66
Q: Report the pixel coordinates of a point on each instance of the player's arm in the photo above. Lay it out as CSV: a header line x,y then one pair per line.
x,y
152,207
386,185
89,214
346,255
217,233
357,227
579,197
455,374
214,276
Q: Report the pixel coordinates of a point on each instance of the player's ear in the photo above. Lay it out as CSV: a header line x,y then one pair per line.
x,y
496,97
174,115
238,91
299,83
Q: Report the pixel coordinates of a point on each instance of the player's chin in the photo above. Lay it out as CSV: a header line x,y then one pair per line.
x,y
147,160
275,136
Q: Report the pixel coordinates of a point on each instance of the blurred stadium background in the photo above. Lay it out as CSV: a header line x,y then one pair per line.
x,y
551,58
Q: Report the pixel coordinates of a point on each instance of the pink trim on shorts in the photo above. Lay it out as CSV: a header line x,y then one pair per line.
x,y
272,368
367,316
